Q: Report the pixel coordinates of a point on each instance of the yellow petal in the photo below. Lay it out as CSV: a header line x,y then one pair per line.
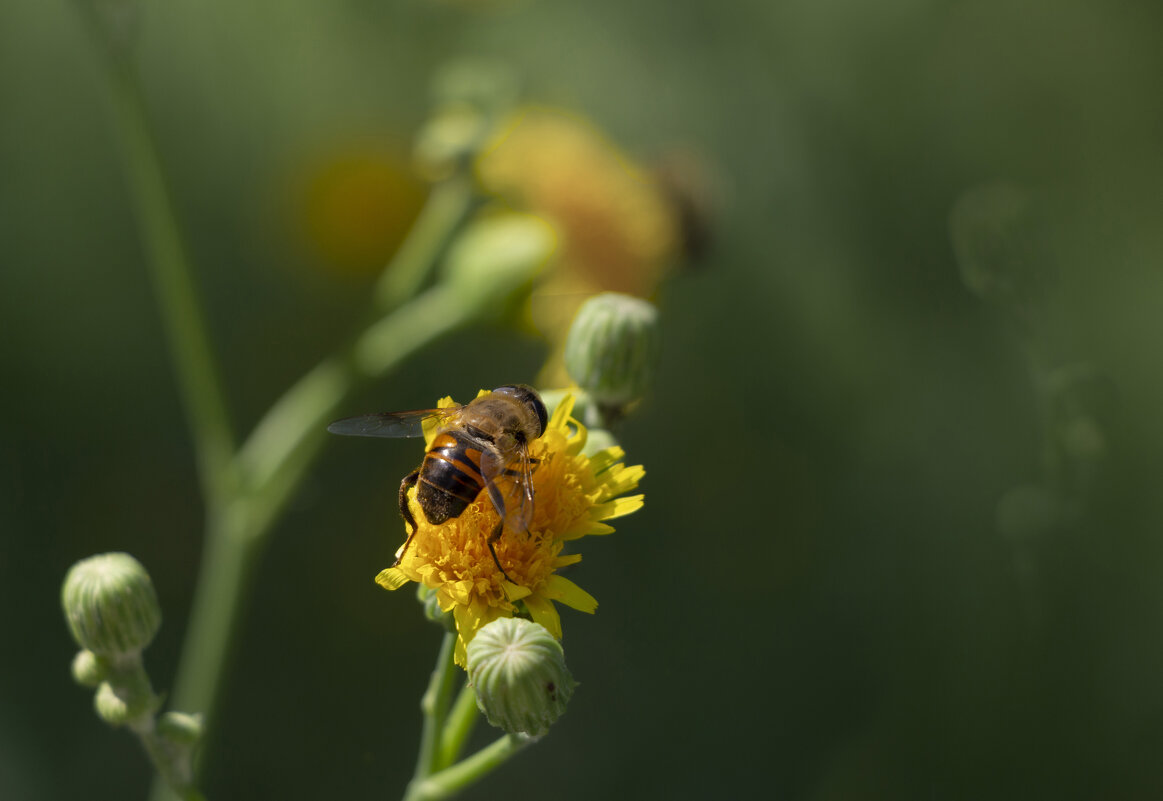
x,y
515,592
617,507
392,578
563,590
621,480
561,413
472,617
603,460
568,559
544,613
585,528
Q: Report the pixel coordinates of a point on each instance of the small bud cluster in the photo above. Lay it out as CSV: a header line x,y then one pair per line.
x,y
113,614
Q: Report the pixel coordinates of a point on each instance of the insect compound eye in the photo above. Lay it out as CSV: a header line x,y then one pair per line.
x,y
527,395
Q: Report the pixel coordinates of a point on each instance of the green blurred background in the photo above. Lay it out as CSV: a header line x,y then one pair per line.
x,y
849,580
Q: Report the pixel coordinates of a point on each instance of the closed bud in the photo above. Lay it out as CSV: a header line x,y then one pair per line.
x,y
180,728
110,604
496,259
124,704
89,670
518,672
449,139
612,348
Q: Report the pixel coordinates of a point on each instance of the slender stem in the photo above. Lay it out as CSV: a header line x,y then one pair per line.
x,y
273,461
434,706
227,563
172,760
172,276
457,729
385,344
450,781
163,755
447,207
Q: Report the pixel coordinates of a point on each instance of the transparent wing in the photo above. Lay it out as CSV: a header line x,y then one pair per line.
x,y
389,424
510,485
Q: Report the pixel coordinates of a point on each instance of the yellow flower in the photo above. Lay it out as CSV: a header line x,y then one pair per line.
x,y
354,207
619,231
573,495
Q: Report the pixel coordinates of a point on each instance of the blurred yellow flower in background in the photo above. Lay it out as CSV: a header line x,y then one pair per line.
x,y
355,206
619,231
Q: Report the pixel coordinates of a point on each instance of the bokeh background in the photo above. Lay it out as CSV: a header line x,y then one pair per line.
x,y
904,531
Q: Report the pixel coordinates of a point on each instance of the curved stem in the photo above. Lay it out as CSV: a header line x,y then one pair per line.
x,y
227,564
172,277
446,209
434,705
450,781
457,729
165,760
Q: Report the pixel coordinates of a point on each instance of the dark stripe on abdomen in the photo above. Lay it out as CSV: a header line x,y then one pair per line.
x,y
450,478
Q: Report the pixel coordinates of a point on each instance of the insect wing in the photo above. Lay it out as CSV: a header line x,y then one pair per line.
x,y
389,424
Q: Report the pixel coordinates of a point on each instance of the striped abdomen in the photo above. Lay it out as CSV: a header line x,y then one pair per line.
x,y
450,477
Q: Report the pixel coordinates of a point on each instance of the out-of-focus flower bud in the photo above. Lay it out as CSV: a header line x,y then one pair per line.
x,y
110,605
612,348
497,258
180,728
89,669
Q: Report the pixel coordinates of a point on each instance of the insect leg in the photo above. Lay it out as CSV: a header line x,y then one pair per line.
x,y
406,513
496,535
499,505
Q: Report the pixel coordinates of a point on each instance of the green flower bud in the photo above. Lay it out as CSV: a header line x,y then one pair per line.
x,y
110,706
496,259
518,672
449,139
180,728
480,83
89,670
125,704
110,605
612,347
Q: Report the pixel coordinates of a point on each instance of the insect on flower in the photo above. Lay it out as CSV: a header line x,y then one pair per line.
x,y
482,445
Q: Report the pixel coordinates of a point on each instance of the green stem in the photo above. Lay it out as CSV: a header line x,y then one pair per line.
x,y
165,760
452,780
457,729
434,706
447,207
227,563
172,277
129,682
433,314
273,461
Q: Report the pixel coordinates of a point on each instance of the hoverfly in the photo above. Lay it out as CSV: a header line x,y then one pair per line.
x,y
475,445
